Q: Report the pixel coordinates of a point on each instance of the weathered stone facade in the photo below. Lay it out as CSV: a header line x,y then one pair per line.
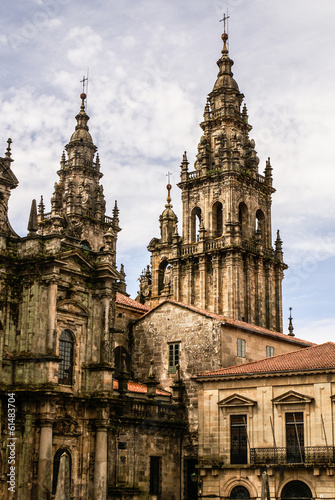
x,y
224,261
206,341
272,422
60,344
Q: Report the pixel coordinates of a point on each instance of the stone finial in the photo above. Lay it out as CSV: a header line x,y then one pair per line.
x,y
245,113
178,387
33,224
97,162
41,207
290,325
184,163
279,247
151,369
122,284
152,381
207,112
116,220
8,153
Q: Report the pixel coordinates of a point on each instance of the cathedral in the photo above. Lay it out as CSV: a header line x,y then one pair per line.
x,y
105,397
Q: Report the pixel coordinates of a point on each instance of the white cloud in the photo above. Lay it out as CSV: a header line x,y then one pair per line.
x,y
151,66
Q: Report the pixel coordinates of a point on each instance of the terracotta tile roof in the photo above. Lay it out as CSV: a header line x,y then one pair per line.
x,y
127,301
139,388
237,323
312,358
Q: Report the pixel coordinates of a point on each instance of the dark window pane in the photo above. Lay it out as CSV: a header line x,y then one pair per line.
x,y
155,475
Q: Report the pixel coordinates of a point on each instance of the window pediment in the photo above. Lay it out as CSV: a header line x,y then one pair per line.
x,y
292,397
236,400
71,307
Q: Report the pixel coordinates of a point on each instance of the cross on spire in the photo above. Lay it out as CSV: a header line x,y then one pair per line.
x,y
224,19
83,81
168,176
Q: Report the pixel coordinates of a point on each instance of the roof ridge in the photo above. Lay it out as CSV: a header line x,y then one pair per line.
x,y
233,322
271,359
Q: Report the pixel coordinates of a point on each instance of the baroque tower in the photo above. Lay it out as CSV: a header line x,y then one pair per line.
x,y
224,261
78,204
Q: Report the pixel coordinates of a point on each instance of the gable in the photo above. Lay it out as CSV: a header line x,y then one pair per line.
x,y
292,397
76,262
177,308
236,400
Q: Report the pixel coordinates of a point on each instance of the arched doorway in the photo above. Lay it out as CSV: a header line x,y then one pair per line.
x,y
239,492
56,464
295,490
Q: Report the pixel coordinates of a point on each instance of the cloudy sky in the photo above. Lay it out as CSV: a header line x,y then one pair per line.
x,y
151,65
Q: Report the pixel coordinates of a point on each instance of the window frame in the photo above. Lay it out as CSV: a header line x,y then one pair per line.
x,y
239,431
173,357
155,476
66,348
270,351
241,347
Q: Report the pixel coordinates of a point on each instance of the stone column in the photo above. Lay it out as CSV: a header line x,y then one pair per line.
x,y
279,275
175,279
44,485
100,461
217,306
189,282
105,355
52,305
202,282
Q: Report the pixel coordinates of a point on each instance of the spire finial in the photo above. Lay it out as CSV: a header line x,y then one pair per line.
x,y
290,326
168,187
224,19
8,151
83,95
224,36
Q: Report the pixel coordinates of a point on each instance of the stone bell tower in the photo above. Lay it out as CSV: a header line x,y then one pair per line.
x,y
78,207
224,261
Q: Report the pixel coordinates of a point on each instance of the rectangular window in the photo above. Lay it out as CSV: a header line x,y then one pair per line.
x,y
238,439
241,347
155,475
295,449
174,352
269,351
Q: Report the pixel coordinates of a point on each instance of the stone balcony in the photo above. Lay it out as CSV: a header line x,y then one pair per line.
x,y
306,455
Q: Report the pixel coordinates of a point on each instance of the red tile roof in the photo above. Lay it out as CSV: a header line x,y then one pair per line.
x,y
139,388
312,358
236,323
124,300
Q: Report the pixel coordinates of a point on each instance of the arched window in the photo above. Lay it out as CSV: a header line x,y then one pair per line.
x,y
195,223
295,490
217,219
66,358
161,275
239,492
260,223
243,219
66,472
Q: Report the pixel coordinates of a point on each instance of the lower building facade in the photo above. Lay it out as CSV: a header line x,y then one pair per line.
x,y
266,428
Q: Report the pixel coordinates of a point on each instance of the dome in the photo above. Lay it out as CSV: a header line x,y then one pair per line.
x,y
225,81
81,135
